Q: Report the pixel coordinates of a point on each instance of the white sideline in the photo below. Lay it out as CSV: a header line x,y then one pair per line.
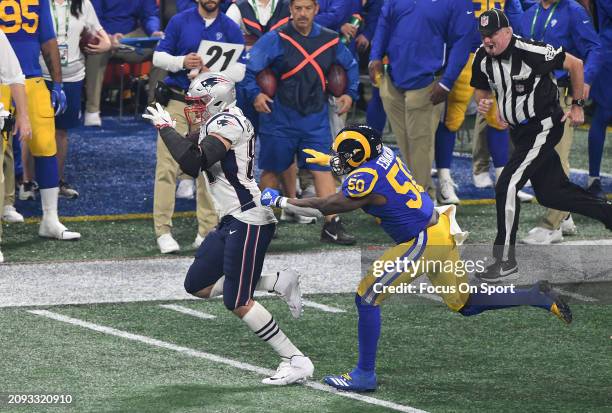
x,y
576,295
188,311
322,307
216,359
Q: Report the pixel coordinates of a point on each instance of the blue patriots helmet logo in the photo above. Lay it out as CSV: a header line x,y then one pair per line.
x,y
225,122
211,82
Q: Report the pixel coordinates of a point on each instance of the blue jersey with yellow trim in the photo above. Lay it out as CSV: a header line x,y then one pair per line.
x,y
408,208
27,24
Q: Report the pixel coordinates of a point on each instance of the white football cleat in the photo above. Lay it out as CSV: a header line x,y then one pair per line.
x,y
198,241
568,227
296,370
1,257
542,236
299,219
167,244
50,229
524,196
446,192
185,189
483,180
10,215
288,287
92,119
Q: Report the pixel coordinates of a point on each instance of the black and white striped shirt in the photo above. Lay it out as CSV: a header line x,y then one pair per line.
x,y
522,79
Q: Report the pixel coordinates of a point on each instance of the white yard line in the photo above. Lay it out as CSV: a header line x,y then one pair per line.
x,y
215,359
188,311
576,295
322,307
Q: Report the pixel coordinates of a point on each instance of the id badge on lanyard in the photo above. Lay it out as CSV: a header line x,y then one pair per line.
x,y
63,53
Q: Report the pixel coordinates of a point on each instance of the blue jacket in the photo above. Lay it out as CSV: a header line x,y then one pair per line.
x,y
422,39
121,16
334,13
571,27
184,33
268,51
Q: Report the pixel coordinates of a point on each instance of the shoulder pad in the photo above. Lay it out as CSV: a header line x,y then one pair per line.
x,y
227,125
359,183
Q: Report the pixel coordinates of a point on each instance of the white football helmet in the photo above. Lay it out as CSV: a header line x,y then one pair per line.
x,y
209,93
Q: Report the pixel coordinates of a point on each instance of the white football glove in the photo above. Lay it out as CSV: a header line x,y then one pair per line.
x,y
159,117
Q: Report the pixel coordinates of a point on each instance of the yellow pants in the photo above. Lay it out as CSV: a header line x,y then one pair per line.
x,y
42,118
459,99
431,247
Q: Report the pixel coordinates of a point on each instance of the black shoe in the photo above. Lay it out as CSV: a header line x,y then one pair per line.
x,y
595,189
559,306
335,233
67,191
500,271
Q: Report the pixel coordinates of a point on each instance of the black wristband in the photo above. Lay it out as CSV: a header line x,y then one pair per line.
x,y
578,102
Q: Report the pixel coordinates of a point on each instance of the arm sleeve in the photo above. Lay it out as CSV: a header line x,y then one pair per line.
x,y
381,33
168,62
264,52
46,31
479,78
10,70
335,14
460,34
544,58
345,58
359,183
587,42
184,151
149,17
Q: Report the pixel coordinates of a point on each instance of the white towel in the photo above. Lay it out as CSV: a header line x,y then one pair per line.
x,y
455,230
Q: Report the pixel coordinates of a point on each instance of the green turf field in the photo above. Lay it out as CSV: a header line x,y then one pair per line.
x,y
432,359
135,238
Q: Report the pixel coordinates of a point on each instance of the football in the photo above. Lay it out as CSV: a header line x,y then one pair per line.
x,y
87,37
336,80
266,80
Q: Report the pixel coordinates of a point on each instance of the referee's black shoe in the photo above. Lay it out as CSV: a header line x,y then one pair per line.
x,y
500,271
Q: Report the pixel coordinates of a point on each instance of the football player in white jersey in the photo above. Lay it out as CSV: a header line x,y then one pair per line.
x,y
230,260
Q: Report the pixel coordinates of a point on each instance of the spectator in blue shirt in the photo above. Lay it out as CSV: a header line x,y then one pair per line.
x,y
428,45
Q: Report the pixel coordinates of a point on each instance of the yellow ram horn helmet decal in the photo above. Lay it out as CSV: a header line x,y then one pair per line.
x,y
349,134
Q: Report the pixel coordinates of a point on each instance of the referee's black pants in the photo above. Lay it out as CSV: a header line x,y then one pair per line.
x,y
535,158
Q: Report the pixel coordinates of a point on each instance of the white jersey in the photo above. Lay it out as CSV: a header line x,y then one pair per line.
x,y
231,181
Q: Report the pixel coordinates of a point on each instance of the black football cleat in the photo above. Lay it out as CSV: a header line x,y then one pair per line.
x,y
559,306
500,271
335,233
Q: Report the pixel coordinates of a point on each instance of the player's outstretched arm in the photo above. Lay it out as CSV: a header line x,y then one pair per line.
x,y
333,204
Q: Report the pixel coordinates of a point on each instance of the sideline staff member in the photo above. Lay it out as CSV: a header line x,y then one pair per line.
x,y
520,72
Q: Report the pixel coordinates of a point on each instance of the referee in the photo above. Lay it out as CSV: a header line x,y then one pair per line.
x,y
520,72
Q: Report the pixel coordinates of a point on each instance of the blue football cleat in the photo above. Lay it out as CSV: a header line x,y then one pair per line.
x,y
357,381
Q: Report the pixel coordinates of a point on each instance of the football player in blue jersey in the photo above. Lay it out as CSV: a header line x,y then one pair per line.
x,y
379,183
29,28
